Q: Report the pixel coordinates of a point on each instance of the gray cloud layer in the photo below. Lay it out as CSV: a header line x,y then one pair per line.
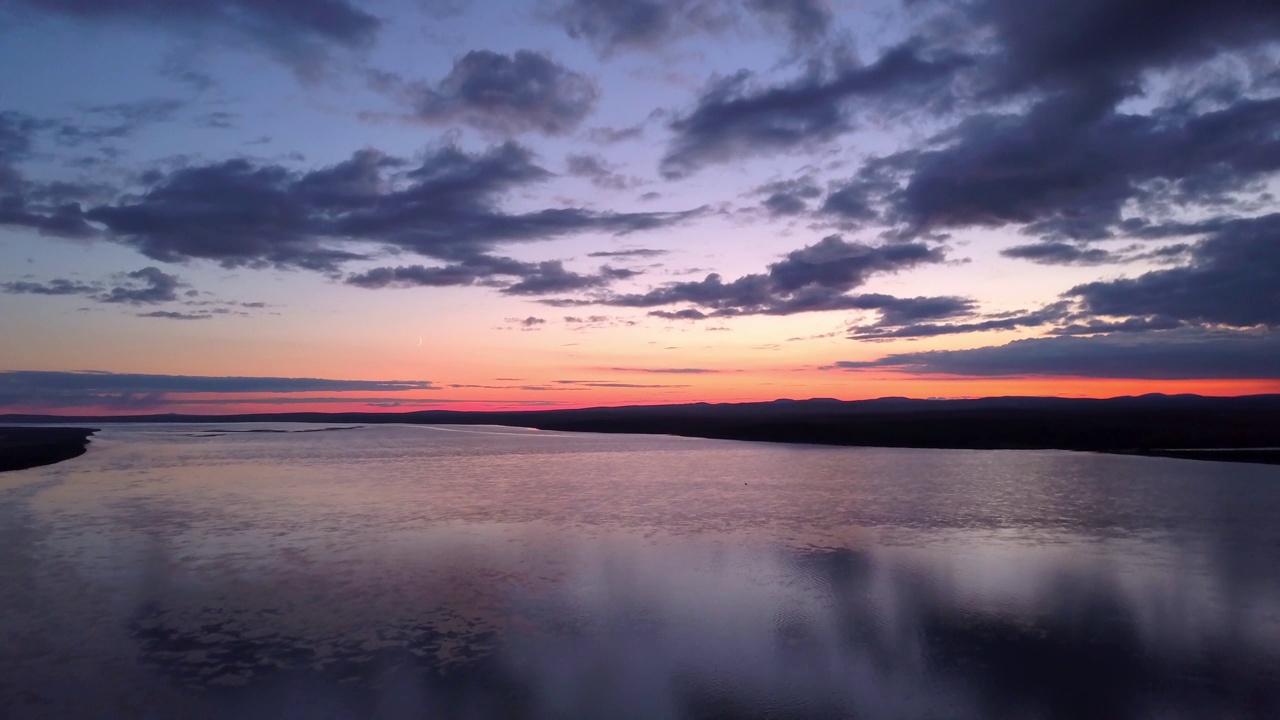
x,y
67,389
1164,356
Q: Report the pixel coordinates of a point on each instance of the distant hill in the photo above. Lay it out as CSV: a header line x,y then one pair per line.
x,y
1126,424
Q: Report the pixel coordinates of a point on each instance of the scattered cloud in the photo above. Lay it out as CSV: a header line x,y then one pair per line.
x,y
175,315
1059,253
814,278
241,213
147,286
601,174
30,388
98,123
668,371
789,197
612,384
528,323
58,286
502,94
634,253
532,278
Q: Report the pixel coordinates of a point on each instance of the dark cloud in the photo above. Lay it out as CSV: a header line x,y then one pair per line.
x,y
814,278
57,286
887,329
686,314
789,197
902,311
808,21
43,207
63,220
98,123
63,389
609,136
1233,279
1129,325
299,32
505,94
1059,253
1168,355
550,277
175,315
405,276
601,174
152,286
60,193
614,25
532,278
851,203
530,321
147,286
240,213
736,118
1067,167
635,253
834,262
1102,46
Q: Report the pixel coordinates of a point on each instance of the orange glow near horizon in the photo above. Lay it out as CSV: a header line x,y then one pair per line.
x,y
728,388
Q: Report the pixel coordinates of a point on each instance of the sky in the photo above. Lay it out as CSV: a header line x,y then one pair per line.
x,y
221,206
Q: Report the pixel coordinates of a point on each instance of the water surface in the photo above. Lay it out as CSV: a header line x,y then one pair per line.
x,y
409,571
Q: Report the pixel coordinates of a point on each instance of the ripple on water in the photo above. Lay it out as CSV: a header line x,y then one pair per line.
x,y
408,572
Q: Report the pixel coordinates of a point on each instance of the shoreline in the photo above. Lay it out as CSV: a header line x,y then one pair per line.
x,y
1187,427
1258,456
22,448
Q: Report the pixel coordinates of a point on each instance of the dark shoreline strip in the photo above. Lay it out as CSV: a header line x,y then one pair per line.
x,y
1264,456
28,447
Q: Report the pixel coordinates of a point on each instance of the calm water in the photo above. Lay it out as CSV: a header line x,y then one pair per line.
x,y
432,572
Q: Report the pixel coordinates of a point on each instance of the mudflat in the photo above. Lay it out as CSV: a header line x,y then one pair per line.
x,y
27,447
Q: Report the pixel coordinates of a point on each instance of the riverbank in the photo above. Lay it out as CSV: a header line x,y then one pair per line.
x,y
1265,456
28,447
1239,429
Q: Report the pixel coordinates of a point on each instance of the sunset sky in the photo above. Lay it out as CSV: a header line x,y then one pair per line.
x,y
262,205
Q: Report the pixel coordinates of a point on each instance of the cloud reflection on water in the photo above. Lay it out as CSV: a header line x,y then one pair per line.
x,y
253,577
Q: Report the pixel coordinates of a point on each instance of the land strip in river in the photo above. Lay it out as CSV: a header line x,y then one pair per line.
x,y
1241,429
